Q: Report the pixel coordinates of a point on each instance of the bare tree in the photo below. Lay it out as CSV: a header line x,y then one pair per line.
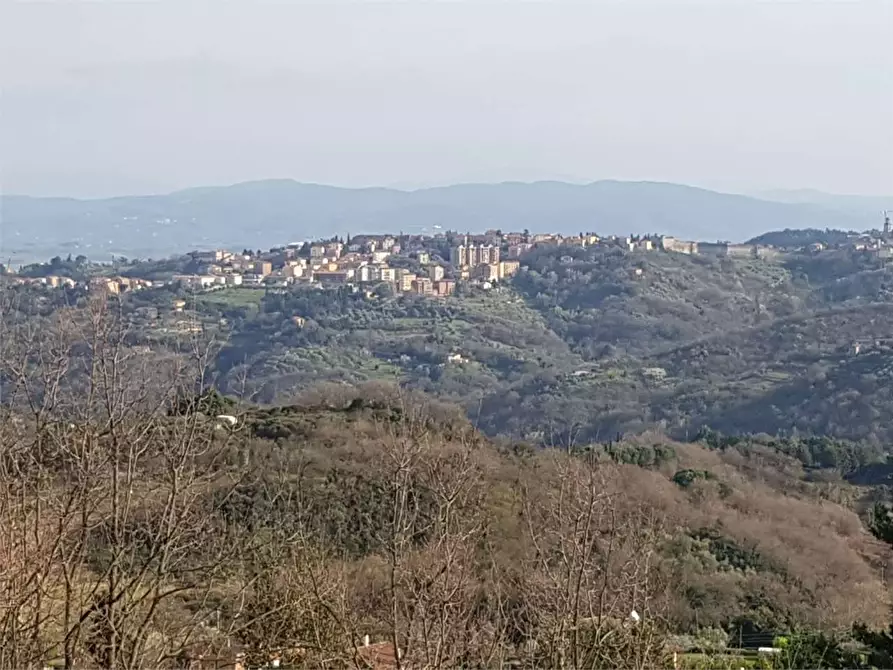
x,y
110,499
298,609
295,599
437,615
590,584
135,531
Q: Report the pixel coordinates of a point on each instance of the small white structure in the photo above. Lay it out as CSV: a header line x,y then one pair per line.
x,y
226,419
654,373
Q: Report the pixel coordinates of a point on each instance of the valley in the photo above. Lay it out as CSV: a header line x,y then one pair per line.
x,y
730,410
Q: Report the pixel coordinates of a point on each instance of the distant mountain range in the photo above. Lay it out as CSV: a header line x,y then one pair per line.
x,y
264,213
871,205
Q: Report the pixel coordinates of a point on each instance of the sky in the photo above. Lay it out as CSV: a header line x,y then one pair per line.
x,y
120,97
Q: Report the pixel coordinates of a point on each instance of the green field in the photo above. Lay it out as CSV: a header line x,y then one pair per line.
x,y
233,297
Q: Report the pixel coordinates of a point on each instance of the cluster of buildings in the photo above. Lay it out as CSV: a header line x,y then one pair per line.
x,y
51,281
482,261
719,249
408,264
366,261
872,243
112,285
879,244
416,264
118,285
429,265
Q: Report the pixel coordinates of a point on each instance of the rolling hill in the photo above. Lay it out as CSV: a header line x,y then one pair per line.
x,y
579,347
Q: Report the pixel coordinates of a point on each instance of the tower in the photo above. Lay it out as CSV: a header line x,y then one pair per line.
x,y
459,256
886,223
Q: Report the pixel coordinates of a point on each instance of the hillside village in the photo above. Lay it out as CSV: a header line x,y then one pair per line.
x,y
426,265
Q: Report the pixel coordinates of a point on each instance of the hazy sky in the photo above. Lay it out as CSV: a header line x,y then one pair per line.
x,y
122,97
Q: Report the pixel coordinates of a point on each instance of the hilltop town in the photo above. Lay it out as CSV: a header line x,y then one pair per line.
x,y
426,265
